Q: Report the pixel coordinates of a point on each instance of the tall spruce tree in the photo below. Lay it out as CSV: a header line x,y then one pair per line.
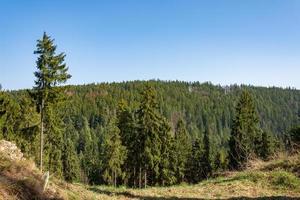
x,y
182,145
51,71
128,131
71,167
167,155
114,154
206,161
245,132
148,139
194,165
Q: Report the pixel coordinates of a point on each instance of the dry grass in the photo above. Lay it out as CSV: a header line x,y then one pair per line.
x,y
275,179
240,184
22,180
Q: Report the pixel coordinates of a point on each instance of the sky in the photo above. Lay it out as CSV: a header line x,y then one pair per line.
x,y
222,41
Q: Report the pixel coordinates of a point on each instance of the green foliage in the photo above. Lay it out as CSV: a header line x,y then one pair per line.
x,y
182,150
293,138
206,160
150,143
148,134
267,145
71,166
285,179
245,134
194,170
157,124
9,114
51,71
168,155
114,154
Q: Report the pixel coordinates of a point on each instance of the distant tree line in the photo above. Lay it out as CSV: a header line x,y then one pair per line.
x,y
144,133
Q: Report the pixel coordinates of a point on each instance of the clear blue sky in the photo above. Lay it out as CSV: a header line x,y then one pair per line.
x,y
223,41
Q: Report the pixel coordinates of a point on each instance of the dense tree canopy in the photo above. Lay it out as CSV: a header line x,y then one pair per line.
x,y
169,129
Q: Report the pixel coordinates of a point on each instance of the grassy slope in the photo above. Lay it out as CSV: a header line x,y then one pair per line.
x,y
278,179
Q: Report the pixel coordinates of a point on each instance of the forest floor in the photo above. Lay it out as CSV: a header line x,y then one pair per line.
x,y
276,179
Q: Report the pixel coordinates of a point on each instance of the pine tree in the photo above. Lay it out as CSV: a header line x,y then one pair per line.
x,y
167,156
51,71
182,145
114,154
27,125
53,140
267,145
245,132
71,166
206,162
148,139
128,132
194,168
9,114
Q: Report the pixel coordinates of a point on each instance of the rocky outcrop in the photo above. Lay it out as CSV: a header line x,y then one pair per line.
x,y
10,150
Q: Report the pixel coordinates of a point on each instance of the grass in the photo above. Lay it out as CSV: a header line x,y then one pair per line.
x,y
277,179
238,185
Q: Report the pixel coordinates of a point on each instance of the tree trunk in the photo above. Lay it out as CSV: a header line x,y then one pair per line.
x,y
42,136
140,178
115,179
134,178
145,177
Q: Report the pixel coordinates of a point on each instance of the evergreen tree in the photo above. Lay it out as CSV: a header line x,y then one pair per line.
x,y
206,162
292,139
148,139
71,165
167,156
182,148
9,114
51,71
27,125
245,132
128,132
114,154
53,140
194,170
267,145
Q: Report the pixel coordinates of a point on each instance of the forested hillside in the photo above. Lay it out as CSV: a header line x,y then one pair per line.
x,y
87,127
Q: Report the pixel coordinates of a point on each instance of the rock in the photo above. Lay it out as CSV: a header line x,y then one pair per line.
x,y
10,150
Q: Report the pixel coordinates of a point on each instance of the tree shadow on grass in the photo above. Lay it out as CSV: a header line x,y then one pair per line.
x,y
134,196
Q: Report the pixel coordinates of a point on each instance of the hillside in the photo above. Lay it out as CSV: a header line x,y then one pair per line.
x,y
81,123
276,179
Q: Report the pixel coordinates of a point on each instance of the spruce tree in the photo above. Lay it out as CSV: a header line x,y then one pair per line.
x,y
182,145
267,145
245,132
9,115
53,141
128,131
206,162
27,125
71,166
167,156
194,166
114,154
51,71
148,138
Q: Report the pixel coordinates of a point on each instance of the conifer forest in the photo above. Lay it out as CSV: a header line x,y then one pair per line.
x,y
144,133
